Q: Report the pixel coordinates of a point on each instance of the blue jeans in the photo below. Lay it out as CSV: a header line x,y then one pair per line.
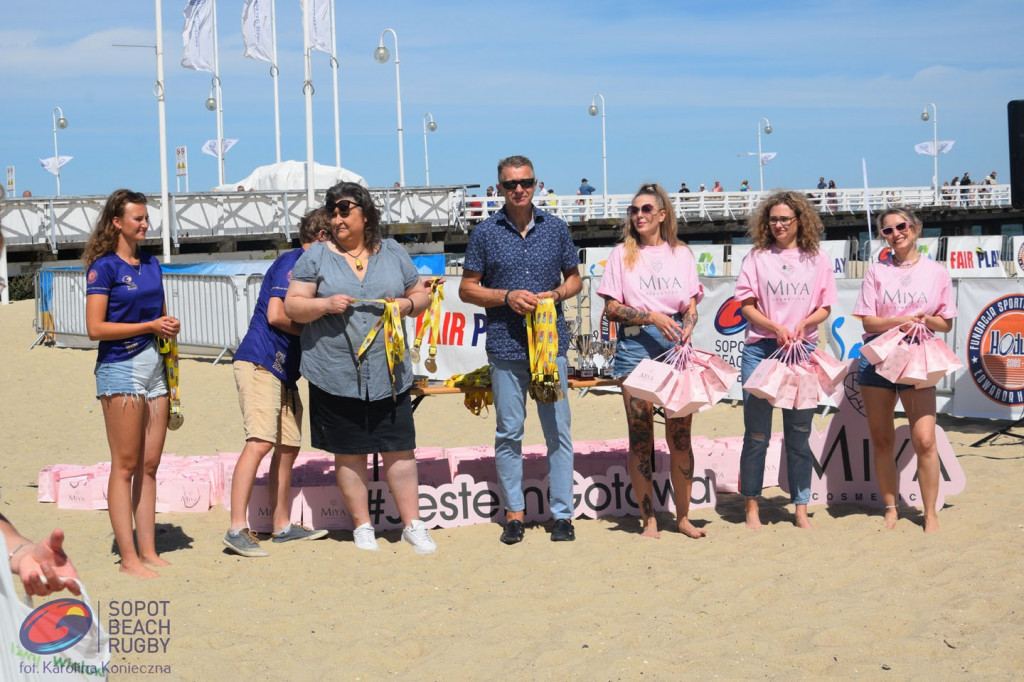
x,y
757,432
509,381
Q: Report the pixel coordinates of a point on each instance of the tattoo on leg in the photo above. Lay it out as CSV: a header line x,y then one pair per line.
x,y
641,437
647,507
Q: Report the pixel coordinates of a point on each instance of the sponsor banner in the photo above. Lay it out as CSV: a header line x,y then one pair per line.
x,y
737,252
926,246
710,259
463,331
974,256
1017,255
592,261
838,251
990,338
181,162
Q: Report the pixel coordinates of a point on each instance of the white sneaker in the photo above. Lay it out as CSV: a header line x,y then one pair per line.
x,y
417,536
365,538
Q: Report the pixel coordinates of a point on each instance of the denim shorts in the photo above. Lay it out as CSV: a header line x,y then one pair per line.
x,y
141,374
630,350
867,376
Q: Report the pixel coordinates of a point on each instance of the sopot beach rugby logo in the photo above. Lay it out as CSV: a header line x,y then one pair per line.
x,y
995,350
56,626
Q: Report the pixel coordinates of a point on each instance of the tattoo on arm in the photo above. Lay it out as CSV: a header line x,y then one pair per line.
x,y
617,312
689,320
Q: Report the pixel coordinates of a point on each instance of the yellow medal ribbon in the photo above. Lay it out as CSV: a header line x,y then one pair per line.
x,y
478,384
394,337
542,339
431,323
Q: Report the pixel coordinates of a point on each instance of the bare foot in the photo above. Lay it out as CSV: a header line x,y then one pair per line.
x,y
154,560
891,517
753,514
689,530
931,524
801,520
139,571
651,530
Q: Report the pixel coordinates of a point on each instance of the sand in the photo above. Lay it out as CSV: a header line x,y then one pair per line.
x,y
846,600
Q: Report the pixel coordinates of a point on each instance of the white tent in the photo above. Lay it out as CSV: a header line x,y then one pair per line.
x,y
291,175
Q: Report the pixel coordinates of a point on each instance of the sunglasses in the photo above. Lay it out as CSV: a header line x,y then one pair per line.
x,y
887,231
646,209
525,183
342,206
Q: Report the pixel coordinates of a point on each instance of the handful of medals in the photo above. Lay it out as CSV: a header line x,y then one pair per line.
x,y
479,396
432,324
542,336
394,338
169,351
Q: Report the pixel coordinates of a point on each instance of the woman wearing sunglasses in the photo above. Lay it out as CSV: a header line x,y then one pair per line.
x,y
786,289
651,290
901,289
358,404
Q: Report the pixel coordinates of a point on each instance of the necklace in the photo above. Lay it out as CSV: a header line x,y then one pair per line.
x,y
359,263
904,264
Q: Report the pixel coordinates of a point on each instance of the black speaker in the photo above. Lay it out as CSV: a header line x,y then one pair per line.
x,y
1015,125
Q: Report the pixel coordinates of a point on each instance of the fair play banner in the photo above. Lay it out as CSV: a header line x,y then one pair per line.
x,y
926,246
1018,256
463,331
838,251
974,256
990,339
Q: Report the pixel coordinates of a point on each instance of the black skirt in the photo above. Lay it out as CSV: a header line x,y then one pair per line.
x,y
352,426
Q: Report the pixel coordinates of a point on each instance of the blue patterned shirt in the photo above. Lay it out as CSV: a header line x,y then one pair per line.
x,y
507,260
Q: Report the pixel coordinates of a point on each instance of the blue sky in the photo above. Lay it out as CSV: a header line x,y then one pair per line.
x,y
685,84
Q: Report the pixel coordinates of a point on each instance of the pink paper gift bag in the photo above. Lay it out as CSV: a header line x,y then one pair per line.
x,y
807,390
916,370
652,381
688,396
879,348
829,366
892,367
714,387
766,380
725,372
785,398
939,360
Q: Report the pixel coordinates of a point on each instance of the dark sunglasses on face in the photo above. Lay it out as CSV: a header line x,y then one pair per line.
x,y
525,183
902,227
646,209
343,206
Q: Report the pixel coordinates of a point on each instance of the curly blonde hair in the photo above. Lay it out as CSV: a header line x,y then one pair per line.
x,y
631,238
104,237
809,227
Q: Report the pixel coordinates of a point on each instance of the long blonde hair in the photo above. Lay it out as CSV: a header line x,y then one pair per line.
x,y
631,238
104,237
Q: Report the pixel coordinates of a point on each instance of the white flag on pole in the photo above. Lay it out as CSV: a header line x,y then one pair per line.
x,y
51,167
257,33
197,36
927,148
767,157
320,25
210,147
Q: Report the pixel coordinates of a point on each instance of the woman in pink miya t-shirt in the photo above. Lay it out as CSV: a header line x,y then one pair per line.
x,y
651,289
786,289
897,291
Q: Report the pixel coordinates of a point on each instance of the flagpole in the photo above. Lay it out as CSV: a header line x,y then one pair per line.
x,y
158,90
307,90
274,74
220,101
334,67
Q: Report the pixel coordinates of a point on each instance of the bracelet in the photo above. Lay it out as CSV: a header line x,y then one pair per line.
x,y
18,549
506,296
559,295
412,305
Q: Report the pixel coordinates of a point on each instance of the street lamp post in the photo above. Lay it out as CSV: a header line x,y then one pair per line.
x,y
61,123
760,162
935,148
592,110
431,126
381,55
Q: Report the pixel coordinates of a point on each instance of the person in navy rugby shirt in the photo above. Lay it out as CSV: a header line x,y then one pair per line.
x,y
125,312
266,367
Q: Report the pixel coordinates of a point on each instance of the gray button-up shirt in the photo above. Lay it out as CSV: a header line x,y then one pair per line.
x,y
330,345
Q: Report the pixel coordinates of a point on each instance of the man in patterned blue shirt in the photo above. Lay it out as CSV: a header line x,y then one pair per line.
x,y
516,257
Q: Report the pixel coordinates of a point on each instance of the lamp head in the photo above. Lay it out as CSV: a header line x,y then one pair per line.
x,y
211,104
768,129
924,115
592,110
381,54
62,123
431,126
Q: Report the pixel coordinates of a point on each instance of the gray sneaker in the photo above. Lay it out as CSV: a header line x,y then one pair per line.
x,y
298,532
244,542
